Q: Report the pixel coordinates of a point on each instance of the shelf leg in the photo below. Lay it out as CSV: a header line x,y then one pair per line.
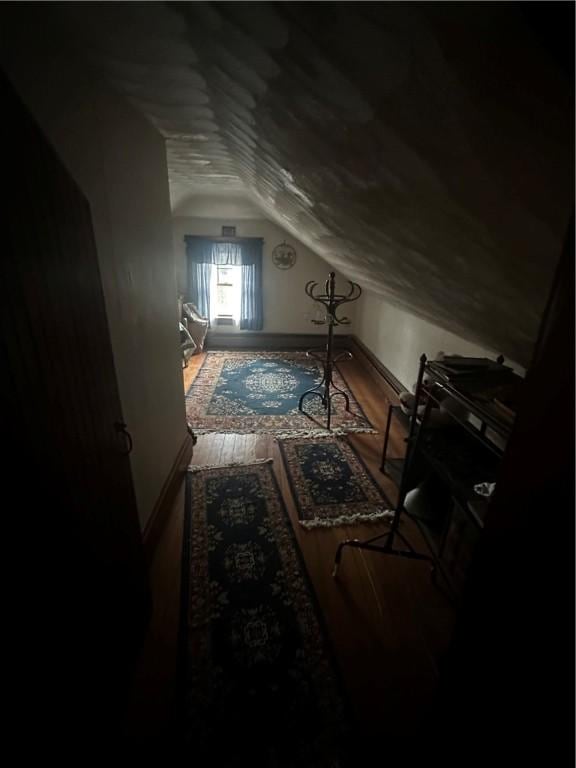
x,y
386,436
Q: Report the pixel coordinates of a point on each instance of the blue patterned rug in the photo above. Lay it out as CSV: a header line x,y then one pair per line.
x,y
259,686
259,392
331,484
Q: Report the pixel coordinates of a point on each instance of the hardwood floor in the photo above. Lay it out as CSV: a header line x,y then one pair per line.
x,y
388,624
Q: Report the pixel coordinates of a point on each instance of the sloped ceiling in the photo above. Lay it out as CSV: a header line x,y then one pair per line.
x,y
424,150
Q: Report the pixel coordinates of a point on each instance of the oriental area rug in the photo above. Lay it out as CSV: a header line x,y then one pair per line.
x,y
259,392
331,484
258,681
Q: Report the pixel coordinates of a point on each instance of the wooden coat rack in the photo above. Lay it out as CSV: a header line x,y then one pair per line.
x,y
331,301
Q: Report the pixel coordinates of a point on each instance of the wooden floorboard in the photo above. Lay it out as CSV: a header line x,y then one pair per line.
x,y
388,624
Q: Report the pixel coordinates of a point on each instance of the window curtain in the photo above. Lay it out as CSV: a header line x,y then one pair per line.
x,y
200,287
203,252
226,254
199,256
251,310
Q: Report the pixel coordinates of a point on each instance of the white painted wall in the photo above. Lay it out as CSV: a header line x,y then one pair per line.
x,y
186,200
287,309
119,162
398,338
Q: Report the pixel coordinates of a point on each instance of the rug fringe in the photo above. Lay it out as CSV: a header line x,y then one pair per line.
x,y
320,433
295,433
283,433
359,517
200,467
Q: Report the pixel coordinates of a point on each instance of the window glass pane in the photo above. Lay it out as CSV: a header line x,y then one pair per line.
x,y
225,275
225,295
225,299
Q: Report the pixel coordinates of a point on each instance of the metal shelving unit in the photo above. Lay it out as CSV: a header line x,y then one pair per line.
x,y
458,456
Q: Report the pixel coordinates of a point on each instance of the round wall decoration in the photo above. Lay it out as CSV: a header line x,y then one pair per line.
x,y
284,256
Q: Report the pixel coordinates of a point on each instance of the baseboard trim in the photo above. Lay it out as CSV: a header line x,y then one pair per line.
x,y
375,366
258,340
165,502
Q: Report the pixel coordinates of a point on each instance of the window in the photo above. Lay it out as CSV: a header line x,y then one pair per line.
x,y
229,296
225,292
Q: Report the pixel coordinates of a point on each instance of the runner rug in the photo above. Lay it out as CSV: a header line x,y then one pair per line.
x,y
331,484
259,685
